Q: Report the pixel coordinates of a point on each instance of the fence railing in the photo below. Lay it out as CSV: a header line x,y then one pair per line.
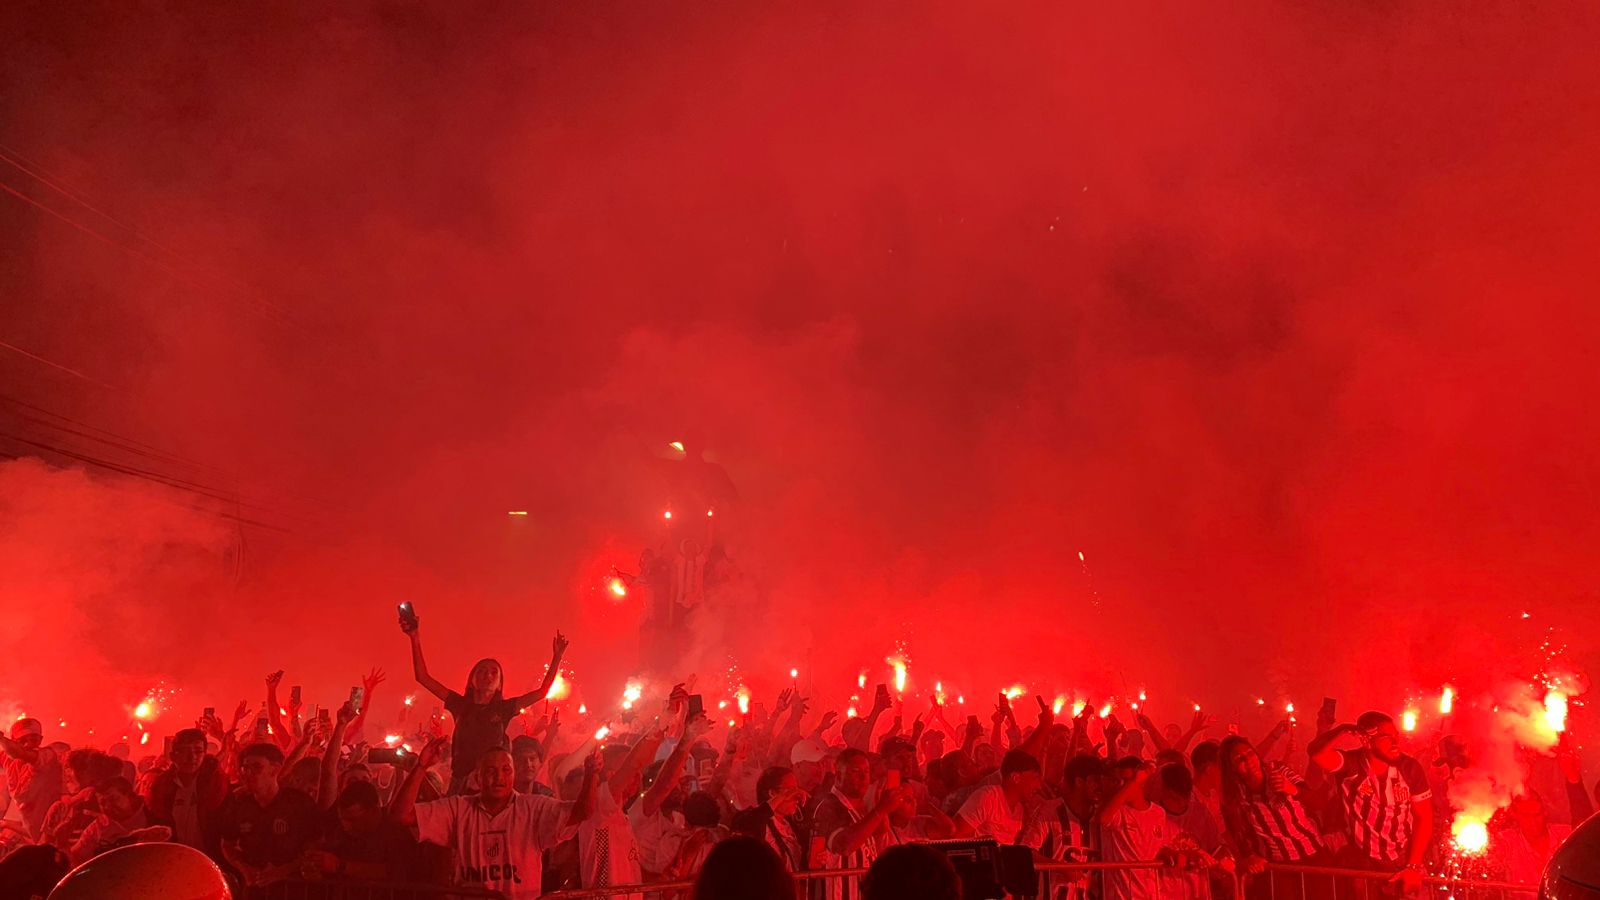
x,y
1278,882
339,889
1292,882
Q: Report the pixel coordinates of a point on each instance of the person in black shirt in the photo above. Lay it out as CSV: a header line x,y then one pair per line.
x,y
264,827
1385,795
363,842
482,710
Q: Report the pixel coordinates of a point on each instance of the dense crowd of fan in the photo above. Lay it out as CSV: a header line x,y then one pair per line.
x,y
285,797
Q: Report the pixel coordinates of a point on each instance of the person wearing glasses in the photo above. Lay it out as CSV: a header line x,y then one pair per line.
x,y
1385,795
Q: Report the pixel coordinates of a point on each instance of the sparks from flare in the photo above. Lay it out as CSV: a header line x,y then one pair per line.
x,y
559,688
1408,720
631,694
601,732
1471,836
1555,711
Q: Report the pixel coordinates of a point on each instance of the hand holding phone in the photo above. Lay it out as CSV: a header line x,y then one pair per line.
x,y
408,617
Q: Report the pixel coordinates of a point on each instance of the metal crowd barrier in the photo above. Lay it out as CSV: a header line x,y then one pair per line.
x,y
337,889
1357,884
1291,882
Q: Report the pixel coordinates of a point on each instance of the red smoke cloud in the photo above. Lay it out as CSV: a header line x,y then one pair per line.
x,y
1281,316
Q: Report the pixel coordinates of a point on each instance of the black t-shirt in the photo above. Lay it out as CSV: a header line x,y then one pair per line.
x,y
479,726
390,844
272,835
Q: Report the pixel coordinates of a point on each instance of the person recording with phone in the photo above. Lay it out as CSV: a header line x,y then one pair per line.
x,y
1267,823
1386,799
482,712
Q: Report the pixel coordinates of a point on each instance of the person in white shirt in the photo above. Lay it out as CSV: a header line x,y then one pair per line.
x,y
1132,829
996,810
499,836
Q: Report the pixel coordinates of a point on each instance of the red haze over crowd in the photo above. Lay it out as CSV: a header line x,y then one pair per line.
x,y
1284,317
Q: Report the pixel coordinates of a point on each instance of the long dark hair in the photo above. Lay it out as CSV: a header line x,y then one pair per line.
x,y
743,868
499,692
1232,787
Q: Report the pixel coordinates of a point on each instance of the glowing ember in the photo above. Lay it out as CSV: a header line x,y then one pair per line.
x,y
1470,835
861,680
1288,707
794,673
676,445
1555,711
1197,707
144,738
583,710
1141,695
848,714
667,514
1080,556
961,698
1447,700
1408,720
411,699
517,512
710,513
1261,701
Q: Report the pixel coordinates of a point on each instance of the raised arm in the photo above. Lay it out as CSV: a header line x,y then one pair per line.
x,y
880,705
328,782
1199,723
593,768
850,838
17,751
403,809
280,732
639,756
558,648
672,770
1321,748
419,666
369,686
1127,792
1036,742
1148,726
